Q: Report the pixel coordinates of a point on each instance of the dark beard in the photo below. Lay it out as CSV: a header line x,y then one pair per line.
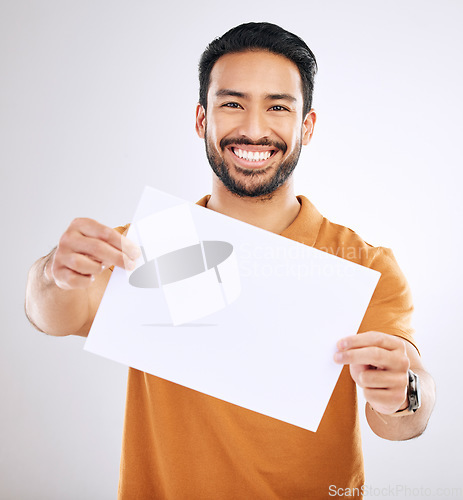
x,y
257,189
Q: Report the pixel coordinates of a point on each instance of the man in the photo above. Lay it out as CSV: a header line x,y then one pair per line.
x,y
254,114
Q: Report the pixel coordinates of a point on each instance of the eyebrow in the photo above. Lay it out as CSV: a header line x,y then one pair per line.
x,y
269,97
280,97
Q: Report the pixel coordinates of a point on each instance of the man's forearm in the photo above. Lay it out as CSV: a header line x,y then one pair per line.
x,y
400,428
51,309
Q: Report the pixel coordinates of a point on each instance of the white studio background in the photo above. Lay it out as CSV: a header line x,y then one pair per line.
x,y
97,99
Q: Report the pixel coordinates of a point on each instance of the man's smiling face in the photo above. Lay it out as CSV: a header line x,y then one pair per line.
x,y
253,127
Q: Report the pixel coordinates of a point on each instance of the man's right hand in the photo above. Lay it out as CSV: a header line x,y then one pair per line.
x,y
64,288
85,250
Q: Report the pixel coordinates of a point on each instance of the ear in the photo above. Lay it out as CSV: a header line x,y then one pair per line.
x,y
308,126
200,121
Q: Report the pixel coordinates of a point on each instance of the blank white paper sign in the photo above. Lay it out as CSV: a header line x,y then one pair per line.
x,y
194,298
270,311
167,230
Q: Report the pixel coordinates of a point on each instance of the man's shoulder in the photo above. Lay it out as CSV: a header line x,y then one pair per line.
x,y
312,228
343,242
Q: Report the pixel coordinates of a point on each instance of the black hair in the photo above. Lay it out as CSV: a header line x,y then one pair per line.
x,y
260,36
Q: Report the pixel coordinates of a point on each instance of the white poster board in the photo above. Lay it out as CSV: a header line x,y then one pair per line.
x,y
231,310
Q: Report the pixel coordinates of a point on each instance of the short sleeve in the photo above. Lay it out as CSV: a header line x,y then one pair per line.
x,y
122,229
391,306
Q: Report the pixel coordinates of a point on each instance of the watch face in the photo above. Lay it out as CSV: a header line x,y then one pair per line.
x,y
413,391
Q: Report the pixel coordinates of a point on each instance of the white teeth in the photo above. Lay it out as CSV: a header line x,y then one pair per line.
x,y
252,156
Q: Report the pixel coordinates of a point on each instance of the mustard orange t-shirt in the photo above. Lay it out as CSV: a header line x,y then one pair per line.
x,y
181,444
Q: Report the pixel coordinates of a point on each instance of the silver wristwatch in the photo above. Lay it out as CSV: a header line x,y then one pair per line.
x,y
414,396
413,391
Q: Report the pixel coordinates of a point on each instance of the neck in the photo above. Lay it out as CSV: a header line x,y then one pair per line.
x,y
273,213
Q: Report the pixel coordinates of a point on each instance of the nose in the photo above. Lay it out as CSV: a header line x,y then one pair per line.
x,y
254,125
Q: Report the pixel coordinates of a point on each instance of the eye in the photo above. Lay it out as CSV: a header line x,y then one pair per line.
x,y
278,107
234,105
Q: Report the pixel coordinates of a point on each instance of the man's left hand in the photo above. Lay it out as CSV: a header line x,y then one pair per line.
x,y
379,365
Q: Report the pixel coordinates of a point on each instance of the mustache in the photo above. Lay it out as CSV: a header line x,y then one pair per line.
x,y
247,142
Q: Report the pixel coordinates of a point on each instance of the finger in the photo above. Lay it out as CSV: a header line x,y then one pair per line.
x,y
381,379
131,249
103,252
67,279
82,264
385,400
375,356
94,229
74,242
379,339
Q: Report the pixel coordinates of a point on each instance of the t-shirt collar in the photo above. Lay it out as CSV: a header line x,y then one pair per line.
x,y
304,228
